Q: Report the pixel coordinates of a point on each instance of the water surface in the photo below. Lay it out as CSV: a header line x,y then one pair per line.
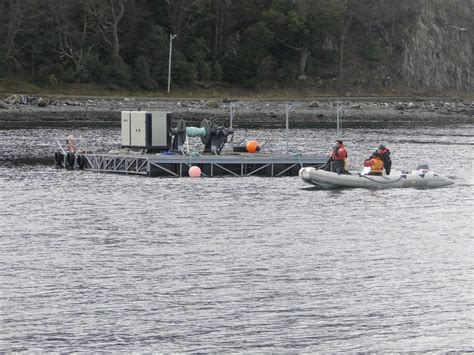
x,y
102,262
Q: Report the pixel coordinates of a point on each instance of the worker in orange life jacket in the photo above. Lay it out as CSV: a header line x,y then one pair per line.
x,y
337,158
384,153
375,163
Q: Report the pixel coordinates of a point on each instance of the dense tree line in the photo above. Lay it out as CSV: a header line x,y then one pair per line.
x,y
125,43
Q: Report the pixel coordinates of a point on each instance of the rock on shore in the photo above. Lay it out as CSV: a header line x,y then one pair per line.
x,y
29,111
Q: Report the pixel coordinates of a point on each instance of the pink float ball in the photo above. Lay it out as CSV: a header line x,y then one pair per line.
x,y
195,171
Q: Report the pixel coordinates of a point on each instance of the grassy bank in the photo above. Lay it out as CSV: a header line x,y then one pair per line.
x,y
8,87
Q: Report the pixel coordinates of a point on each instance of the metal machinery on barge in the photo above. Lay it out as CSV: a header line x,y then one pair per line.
x,y
151,147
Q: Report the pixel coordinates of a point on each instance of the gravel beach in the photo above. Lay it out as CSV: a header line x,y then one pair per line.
x,y
19,111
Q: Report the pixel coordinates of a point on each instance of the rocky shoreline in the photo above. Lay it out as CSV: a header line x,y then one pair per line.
x,y
19,111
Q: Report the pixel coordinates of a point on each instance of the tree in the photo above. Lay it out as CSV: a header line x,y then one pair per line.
x,y
342,42
184,16
72,30
13,15
107,15
302,25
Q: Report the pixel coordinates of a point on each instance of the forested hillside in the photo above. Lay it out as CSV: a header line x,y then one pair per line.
x,y
338,45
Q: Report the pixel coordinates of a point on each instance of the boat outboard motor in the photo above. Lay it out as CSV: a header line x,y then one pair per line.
x,y
216,136
59,160
423,167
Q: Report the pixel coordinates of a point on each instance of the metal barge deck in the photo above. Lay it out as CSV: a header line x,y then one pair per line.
x,y
151,147
238,165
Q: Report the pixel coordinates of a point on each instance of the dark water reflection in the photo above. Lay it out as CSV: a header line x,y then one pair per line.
x,y
100,262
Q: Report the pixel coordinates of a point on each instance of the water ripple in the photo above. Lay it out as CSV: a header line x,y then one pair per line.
x,y
95,262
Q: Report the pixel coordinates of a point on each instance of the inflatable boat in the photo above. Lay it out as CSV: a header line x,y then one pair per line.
x,y
422,177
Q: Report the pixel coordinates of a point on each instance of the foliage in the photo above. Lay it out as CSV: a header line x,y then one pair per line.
x,y
287,73
373,51
126,44
217,73
205,71
141,75
118,73
183,71
3,62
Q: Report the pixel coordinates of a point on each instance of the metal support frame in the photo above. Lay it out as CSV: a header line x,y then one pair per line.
x,y
260,168
229,171
118,164
168,170
212,165
285,170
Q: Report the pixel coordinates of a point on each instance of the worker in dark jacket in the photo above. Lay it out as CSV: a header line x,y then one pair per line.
x,y
385,156
337,158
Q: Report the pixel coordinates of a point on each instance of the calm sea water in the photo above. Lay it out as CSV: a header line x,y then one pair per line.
x,y
100,262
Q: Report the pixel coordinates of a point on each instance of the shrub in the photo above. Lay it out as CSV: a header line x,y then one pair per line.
x,y
205,71
120,73
52,80
373,51
141,74
288,72
3,62
217,72
329,56
266,68
242,67
97,71
183,72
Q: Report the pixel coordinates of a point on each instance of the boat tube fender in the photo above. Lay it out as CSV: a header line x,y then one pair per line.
x,y
70,160
81,161
59,159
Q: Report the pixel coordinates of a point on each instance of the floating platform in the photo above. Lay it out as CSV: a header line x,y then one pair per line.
x,y
178,165
151,147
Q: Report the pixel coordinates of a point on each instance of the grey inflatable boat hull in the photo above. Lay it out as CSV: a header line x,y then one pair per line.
x,y
421,178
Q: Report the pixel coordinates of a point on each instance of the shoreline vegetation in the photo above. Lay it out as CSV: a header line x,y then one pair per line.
x,y
214,90
30,107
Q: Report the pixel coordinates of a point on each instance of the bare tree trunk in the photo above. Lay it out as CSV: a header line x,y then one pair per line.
x,y
217,25
71,35
107,16
181,14
304,55
341,52
116,17
14,23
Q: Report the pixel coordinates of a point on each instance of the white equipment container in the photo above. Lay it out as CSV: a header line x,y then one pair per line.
x,y
146,130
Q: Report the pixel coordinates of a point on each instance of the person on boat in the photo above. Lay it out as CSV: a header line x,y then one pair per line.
x,y
375,163
70,143
337,158
385,155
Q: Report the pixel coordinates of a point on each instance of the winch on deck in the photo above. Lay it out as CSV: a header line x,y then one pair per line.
x,y
213,136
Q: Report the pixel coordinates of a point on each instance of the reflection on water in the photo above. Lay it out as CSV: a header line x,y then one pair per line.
x,y
101,262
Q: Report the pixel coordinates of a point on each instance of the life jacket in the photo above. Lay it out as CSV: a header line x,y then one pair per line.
x,y
339,153
376,165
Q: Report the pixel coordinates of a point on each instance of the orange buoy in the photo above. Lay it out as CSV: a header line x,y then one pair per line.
x,y
252,146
